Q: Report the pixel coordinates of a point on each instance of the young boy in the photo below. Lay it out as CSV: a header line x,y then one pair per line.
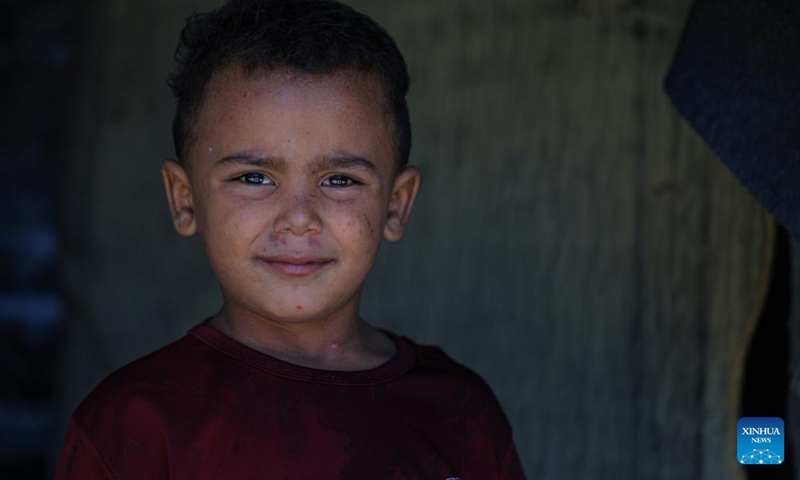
x,y
292,134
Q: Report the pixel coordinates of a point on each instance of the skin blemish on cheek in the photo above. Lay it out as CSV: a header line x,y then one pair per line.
x,y
210,149
369,225
299,307
334,344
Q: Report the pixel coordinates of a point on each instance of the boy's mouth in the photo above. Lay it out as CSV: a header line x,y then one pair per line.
x,y
295,266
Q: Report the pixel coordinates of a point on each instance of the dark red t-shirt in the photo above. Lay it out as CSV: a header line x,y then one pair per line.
x,y
207,407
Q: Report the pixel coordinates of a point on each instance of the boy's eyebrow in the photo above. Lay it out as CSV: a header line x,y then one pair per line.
x,y
348,161
246,158
330,162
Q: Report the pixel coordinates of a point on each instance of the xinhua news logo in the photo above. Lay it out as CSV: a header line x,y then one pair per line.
x,y
760,441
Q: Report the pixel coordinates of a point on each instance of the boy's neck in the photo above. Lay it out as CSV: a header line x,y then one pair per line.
x,y
339,343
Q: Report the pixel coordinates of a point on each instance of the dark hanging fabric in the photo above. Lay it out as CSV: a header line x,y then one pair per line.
x,y
736,79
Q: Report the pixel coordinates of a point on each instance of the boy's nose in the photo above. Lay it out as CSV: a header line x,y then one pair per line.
x,y
299,216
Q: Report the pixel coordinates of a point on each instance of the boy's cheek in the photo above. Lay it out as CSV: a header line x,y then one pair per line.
x,y
357,219
369,227
236,210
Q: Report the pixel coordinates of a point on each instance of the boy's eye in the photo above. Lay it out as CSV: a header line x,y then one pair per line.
x,y
338,181
255,178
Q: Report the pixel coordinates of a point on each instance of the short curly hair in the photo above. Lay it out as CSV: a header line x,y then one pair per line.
x,y
314,37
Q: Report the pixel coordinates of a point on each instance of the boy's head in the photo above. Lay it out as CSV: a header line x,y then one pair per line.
x,y
310,37
292,130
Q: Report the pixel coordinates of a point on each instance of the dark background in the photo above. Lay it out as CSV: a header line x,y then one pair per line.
x,y
574,241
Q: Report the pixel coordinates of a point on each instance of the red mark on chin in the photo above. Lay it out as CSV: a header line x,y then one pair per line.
x,y
299,307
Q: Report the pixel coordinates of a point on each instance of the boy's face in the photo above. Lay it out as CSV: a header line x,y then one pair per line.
x,y
291,182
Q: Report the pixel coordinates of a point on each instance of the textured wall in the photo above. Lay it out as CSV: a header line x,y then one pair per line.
x,y
574,241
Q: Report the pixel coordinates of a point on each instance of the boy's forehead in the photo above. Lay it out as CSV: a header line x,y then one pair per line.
x,y
234,94
287,84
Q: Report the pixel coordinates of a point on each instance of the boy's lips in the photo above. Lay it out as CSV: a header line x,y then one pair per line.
x,y
295,266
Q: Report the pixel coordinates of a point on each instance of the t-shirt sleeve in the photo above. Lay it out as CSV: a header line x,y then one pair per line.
x,y
80,459
511,467
116,432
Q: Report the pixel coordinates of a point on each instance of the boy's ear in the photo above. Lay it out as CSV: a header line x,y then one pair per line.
x,y
179,196
404,192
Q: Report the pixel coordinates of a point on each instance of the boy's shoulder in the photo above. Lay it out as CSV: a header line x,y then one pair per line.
x,y
144,381
433,362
